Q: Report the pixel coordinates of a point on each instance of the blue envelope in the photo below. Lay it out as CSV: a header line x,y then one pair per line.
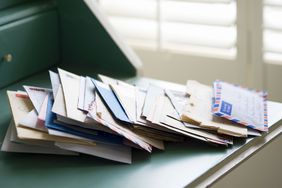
x,y
111,101
98,136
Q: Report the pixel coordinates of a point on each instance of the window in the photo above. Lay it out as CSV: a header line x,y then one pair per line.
x,y
272,31
239,40
185,26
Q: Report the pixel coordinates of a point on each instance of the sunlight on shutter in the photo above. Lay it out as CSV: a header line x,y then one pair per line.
x,y
272,31
194,27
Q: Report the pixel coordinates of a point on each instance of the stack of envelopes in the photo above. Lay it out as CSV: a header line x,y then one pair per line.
x,y
107,118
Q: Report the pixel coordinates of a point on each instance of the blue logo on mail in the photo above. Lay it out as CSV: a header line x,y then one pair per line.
x,y
226,108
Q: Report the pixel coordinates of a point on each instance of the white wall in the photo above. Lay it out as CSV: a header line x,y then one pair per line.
x,y
262,170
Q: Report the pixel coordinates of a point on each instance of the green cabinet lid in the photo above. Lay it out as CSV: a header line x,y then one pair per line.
x,y
87,39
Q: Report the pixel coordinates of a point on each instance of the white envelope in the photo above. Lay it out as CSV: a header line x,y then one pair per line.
x,y
117,153
59,106
70,85
86,93
37,96
152,94
80,104
67,135
31,121
55,82
126,95
140,99
43,110
107,80
89,94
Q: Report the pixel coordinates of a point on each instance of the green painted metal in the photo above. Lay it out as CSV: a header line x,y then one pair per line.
x,y
24,10
85,42
33,43
9,3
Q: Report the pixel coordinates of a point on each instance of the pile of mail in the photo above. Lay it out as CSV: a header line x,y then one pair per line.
x,y
108,118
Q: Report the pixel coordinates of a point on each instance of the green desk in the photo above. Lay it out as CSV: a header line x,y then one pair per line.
x,y
181,164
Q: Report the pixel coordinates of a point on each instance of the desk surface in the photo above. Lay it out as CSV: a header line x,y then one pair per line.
x,y
179,165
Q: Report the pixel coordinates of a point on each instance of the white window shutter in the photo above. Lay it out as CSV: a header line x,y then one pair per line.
x,y
199,27
135,20
205,27
272,31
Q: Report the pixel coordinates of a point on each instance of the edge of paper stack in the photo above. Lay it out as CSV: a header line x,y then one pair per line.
x,y
108,118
